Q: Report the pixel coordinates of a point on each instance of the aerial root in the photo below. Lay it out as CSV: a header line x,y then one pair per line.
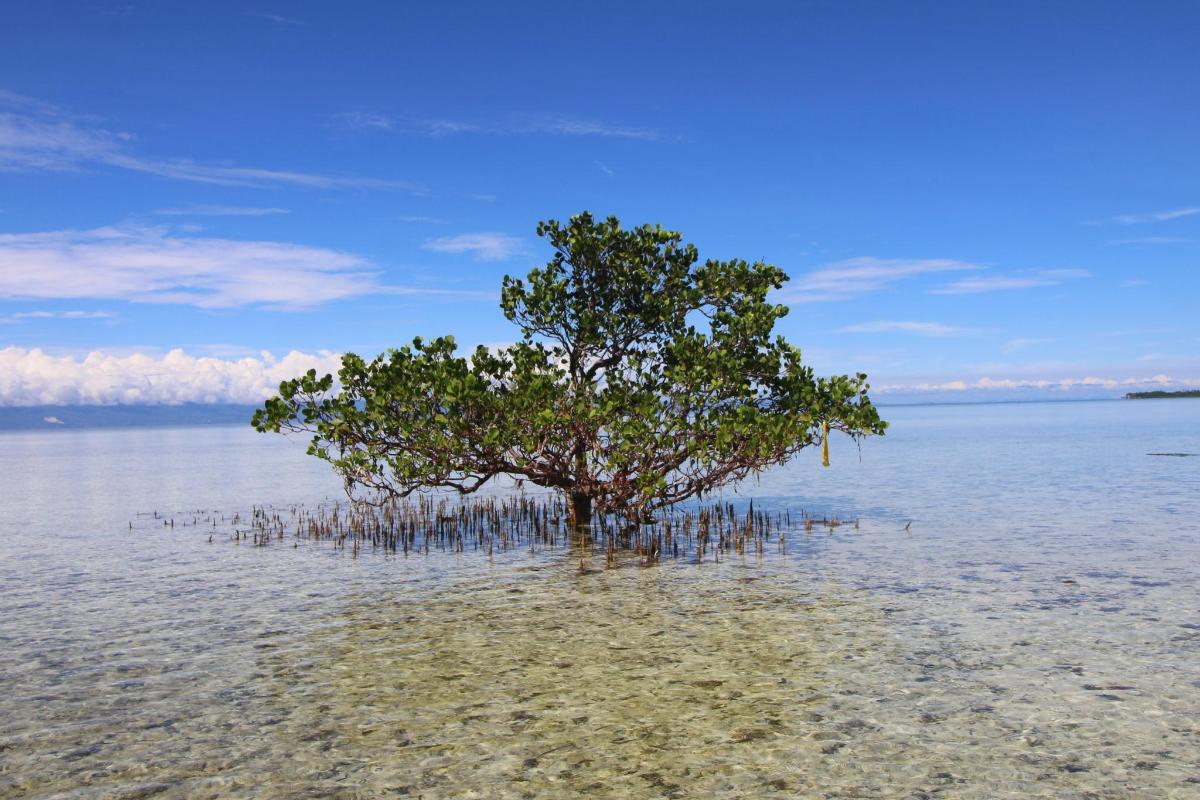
x,y
501,524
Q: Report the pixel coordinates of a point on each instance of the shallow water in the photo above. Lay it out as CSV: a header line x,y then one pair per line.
x,y
1035,632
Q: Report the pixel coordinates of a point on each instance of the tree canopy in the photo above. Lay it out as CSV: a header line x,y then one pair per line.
x,y
642,377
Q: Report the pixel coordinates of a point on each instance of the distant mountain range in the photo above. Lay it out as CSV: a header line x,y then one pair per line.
x,y
76,417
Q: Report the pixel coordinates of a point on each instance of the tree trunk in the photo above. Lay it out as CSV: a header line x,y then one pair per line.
x,y
579,515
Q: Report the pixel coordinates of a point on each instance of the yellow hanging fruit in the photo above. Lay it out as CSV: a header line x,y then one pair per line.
x,y
824,444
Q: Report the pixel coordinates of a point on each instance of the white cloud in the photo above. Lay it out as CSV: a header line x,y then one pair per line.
x,y
277,19
219,211
899,326
484,246
147,265
363,121
946,386
36,141
184,170
1064,274
33,377
1156,216
36,136
24,315
1020,344
421,219
992,283
996,283
442,127
548,124
1148,240
574,126
1052,384
854,277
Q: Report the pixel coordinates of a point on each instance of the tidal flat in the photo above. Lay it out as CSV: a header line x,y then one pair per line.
x,y
1015,616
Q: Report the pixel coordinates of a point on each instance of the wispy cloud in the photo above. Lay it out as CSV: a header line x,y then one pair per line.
x,y
418,219
363,121
184,170
900,326
1156,216
843,280
1052,384
573,126
997,283
33,377
605,168
1148,240
148,265
441,127
277,19
24,315
36,136
1012,345
1132,282
546,124
994,283
219,211
484,246
1064,274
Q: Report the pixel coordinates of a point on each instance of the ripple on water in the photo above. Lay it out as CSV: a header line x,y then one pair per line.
x,y
1034,633
527,678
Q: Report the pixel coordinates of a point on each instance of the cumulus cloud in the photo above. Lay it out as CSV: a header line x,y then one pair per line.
x,y
37,136
843,280
483,246
33,377
901,326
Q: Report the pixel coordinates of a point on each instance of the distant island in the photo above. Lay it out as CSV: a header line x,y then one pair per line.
x,y
1155,395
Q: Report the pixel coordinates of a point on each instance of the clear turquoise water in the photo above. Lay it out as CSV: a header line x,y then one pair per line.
x,y
1035,633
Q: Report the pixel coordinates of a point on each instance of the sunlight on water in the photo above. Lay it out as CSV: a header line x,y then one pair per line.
x,y
1035,633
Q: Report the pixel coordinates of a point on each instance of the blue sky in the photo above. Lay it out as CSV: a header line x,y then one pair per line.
x,y
973,200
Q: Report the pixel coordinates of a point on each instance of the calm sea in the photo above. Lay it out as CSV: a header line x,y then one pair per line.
x,y
1016,615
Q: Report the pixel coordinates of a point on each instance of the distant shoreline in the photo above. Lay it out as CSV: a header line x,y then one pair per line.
x,y
1160,395
48,418
92,417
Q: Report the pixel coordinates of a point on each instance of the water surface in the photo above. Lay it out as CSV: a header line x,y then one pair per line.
x,y
1035,632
